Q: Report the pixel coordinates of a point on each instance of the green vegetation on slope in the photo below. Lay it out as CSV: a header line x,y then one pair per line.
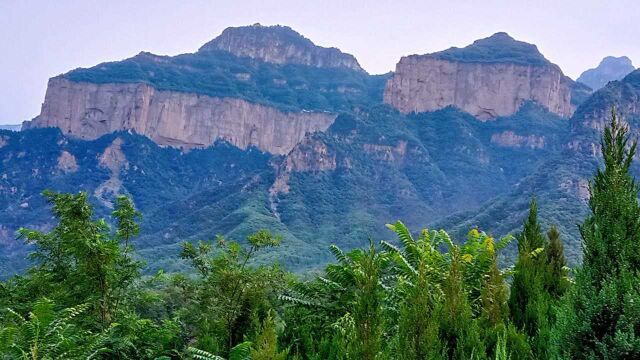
x,y
421,296
289,87
498,48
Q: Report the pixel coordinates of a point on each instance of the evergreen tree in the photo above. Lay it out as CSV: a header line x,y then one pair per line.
x,y
601,316
556,282
459,332
266,345
528,279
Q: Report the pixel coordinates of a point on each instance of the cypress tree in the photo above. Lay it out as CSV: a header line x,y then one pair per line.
x,y
601,315
528,279
556,282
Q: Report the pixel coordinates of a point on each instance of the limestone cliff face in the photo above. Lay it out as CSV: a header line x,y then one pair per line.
x,y
279,45
186,120
485,87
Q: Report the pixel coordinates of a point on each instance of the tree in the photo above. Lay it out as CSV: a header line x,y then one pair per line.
x,y
527,287
265,347
600,317
80,260
458,330
231,296
538,282
556,282
421,270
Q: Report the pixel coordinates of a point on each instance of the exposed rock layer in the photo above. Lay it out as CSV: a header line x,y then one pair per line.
x,y
279,45
187,120
489,78
513,140
485,90
310,155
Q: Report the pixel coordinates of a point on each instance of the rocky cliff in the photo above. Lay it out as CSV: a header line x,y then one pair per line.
x,y
279,45
611,68
179,119
490,78
592,117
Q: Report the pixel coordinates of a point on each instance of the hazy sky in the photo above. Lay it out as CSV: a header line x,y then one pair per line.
x,y
41,39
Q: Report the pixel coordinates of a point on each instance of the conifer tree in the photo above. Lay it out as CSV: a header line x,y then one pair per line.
x,y
601,315
266,345
556,282
459,332
528,280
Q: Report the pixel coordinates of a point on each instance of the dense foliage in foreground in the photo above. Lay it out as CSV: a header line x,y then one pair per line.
x,y
420,297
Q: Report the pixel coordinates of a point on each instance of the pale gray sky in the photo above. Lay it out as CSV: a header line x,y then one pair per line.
x,y
41,39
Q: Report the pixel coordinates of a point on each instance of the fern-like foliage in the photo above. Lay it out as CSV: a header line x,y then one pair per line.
x,y
47,334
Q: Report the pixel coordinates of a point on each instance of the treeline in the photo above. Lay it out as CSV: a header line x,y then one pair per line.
x,y
420,297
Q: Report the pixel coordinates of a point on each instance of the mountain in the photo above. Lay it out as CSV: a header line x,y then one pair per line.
x,y
279,45
11,127
491,77
611,68
266,98
561,183
254,131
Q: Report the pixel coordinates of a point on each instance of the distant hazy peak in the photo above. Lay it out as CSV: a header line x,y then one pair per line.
x,y
11,127
280,45
497,48
611,68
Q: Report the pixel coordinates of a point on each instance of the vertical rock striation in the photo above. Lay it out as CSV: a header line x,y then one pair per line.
x,y
279,45
490,78
187,120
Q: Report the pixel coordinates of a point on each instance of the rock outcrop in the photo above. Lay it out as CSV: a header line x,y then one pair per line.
x,y
279,45
310,155
592,116
179,119
391,154
610,68
114,160
490,78
67,162
513,140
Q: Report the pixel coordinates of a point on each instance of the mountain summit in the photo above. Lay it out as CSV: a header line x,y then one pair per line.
x,y
611,68
279,45
497,48
492,77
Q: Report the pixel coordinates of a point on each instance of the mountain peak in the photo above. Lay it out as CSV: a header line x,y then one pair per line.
x,y
499,36
611,68
279,44
497,48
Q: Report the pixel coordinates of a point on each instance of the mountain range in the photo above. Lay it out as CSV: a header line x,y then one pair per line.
x,y
261,128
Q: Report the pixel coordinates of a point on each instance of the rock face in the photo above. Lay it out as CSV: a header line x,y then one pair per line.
x,y
513,140
67,162
310,155
592,117
88,111
490,78
610,69
279,45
